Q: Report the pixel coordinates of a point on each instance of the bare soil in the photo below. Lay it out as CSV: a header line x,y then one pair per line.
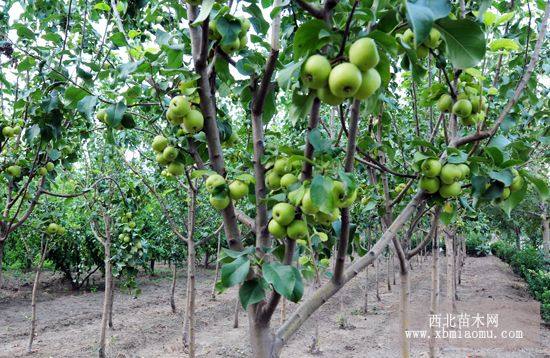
x,y
68,322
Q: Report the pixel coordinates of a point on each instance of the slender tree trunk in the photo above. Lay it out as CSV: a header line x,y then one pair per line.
x,y
173,288
34,297
111,302
107,297
545,236
450,271
388,259
213,296
236,313
393,267
377,264
434,297
366,300
283,310
191,298
1,263
403,298
152,267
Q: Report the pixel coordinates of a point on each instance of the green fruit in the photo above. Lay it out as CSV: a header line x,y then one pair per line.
x,y
370,83
243,41
16,130
173,118
307,204
517,183
462,108
492,91
324,262
179,106
193,121
514,171
505,193
468,121
7,131
52,229
430,185
161,159
237,190
465,169
445,103
42,171
422,52
450,190
297,230
432,41
315,72
213,30
159,143
14,170
408,37
363,53
344,80
431,168
101,116
176,168
128,215
448,208
283,213
170,153
231,47
276,229
126,239
450,173
281,166
245,25
50,166
350,199
326,96
132,225
288,179
219,202
214,181
272,180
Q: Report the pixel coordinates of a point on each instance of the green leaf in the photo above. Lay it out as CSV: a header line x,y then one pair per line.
x,y
306,37
540,184
235,272
513,200
280,276
496,154
102,6
464,40
206,7
298,290
503,44
74,94
23,31
421,15
321,193
489,18
251,292
115,113
458,157
504,18
289,72
321,144
504,176
118,39
86,106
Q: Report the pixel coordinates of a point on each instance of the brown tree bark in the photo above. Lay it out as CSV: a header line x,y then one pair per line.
x,y
34,297
173,288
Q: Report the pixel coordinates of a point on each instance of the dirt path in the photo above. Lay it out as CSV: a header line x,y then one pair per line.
x,y
144,326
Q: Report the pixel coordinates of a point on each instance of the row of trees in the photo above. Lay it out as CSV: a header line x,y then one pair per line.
x,y
342,129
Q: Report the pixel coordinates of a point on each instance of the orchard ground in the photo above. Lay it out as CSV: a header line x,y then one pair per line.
x,y
145,327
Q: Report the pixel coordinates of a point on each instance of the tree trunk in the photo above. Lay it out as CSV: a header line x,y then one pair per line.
x,y
366,298
1,263
213,296
111,301
173,288
34,297
434,297
206,258
152,267
236,313
403,298
388,259
283,310
393,267
191,298
377,264
545,236
106,298
450,271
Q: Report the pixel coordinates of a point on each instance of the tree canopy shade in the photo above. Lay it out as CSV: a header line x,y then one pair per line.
x,y
319,134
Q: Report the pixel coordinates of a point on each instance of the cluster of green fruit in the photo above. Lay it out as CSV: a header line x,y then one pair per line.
x,y
127,228
180,113
126,122
166,155
55,229
423,50
221,194
10,132
444,179
49,167
230,46
15,170
517,184
284,222
283,173
357,78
